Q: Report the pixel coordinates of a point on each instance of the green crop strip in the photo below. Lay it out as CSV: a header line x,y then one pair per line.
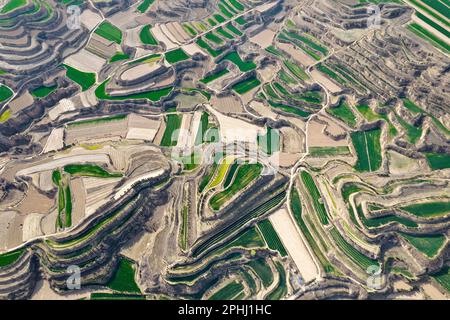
x,y
145,4
243,66
281,289
176,55
246,85
245,175
43,91
154,95
12,5
427,244
438,161
214,76
272,239
344,113
225,232
86,170
147,37
368,149
84,79
428,36
443,278
228,292
296,208
360,259
9,258
316,197
5,93
123,279
109,32
429,209
173,124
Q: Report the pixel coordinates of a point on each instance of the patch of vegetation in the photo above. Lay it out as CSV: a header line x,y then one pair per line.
x,y
281,289
333,75
344,113
214,76
245,175
244,218
234,57
237,5
231,173
172,125
97,120
88,170
428,209
190,29
219,18
428,244
368,149
84,79
381,221
289,109
413,133
109,32
296,70
443,278
145,4
119,56
68,207
43,91
12,5
272,239
429,37
5,93
5,115
211,36
205,180
202,44
9,258
246,85
124,278
233,29
356,256
296,208
115,296
225,11
433,24
224,33
147,37
316,197
154,95
308,41
370,115
270,142
438,161
262,270
328,151
176,55
228,292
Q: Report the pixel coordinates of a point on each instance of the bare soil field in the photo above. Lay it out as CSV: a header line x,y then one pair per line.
x,y
317,137
293,242
297,54
264,38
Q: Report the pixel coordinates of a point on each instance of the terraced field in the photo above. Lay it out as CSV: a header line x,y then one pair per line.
x,y
368,149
